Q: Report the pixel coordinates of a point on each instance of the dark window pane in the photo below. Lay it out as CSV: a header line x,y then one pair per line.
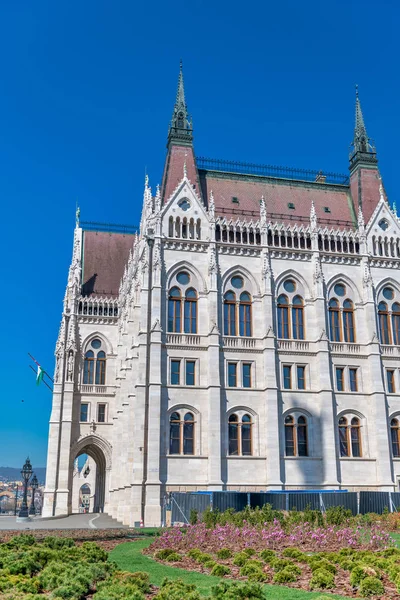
x,y
339,379
289,440
246,439
188,438
246,375
84,413
174,437
355,441
353,380
302,440
287,379
343,441
101,413
190,370
233,439
396,329
175,372
395,441
390,381
301,378
232,374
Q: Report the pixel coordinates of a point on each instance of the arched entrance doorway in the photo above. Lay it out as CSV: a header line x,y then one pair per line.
x,y
99,451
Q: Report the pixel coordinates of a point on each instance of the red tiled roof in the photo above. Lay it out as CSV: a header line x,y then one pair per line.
x,y
278,194
104,258
369,186
173,171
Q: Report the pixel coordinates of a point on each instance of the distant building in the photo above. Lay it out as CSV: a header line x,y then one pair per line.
x,y
246,338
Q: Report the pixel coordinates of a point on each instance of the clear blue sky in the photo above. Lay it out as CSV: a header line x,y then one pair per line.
x,y
86,94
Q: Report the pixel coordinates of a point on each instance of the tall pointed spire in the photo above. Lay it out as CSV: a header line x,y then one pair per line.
x,y
181,129
363,149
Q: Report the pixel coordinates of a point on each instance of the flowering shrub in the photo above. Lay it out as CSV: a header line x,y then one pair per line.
x,y
272,536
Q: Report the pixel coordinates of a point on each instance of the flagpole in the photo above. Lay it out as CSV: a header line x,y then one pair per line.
x,y
39,365
30,366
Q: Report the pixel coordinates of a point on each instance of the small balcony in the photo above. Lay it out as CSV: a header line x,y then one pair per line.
x,y
99,390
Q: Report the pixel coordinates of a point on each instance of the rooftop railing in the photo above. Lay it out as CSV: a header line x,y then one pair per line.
x,y
228,166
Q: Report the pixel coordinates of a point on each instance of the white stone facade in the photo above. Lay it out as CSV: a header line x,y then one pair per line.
x,y
365,260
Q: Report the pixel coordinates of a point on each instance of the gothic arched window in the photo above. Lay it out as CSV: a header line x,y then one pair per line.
x,y
350,436
341,316
395,437
230,314
94,366
296,436
181,433
240,435
245,315
290,307
182,305
174,310
348,321
190,311
334,321
88,367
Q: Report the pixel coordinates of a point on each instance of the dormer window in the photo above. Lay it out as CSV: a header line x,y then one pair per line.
x,y
383,224
184,204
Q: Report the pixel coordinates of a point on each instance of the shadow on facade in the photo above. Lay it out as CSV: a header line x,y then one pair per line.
x,y
96,453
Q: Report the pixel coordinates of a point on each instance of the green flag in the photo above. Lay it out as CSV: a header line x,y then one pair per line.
x,y
39,375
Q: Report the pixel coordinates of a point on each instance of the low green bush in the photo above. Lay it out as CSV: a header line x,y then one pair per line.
x,y
280,563
322,579
371,586
56,543
267,555
224,553
177,590
118,591
253,569
240,559
293,553
174,557
249,551
287,575
237,591
322,564
210,564
361,572
220,570
203,557
164,553
194,516
194,553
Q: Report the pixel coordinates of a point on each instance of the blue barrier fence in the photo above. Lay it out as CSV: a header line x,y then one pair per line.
x,y
358,502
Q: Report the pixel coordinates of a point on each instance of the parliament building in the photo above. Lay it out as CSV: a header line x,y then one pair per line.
x,y
246,337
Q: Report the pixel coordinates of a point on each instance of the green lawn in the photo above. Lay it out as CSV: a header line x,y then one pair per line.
x,y
129,557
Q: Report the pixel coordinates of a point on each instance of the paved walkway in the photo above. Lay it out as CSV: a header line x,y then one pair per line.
x,y
81,521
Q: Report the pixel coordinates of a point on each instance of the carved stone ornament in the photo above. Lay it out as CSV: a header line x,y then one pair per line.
x,y
212,265
70,366
211,207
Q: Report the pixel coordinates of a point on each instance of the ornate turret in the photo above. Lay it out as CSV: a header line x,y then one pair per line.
x,y
363,151
181,129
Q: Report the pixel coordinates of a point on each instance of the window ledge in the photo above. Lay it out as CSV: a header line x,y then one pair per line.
x,y
185,456
357,458
302,457
231,456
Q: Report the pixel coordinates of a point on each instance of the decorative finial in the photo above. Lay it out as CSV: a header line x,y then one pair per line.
x,y
361,143
211,206
356,90
77,215
360,219
263,211
381,196
158,199
313,216
394,209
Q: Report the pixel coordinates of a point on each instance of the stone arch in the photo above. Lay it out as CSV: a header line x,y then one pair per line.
x,y
100,451
291,273
92,336
388,281
183,264
240,270
349,282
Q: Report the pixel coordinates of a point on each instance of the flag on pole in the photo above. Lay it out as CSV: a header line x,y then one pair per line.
x,y
39,375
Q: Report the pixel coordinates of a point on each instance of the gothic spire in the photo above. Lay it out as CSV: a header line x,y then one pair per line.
x,y
181,129
363,149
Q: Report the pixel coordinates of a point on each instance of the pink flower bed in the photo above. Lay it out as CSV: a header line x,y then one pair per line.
x,y
273,536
